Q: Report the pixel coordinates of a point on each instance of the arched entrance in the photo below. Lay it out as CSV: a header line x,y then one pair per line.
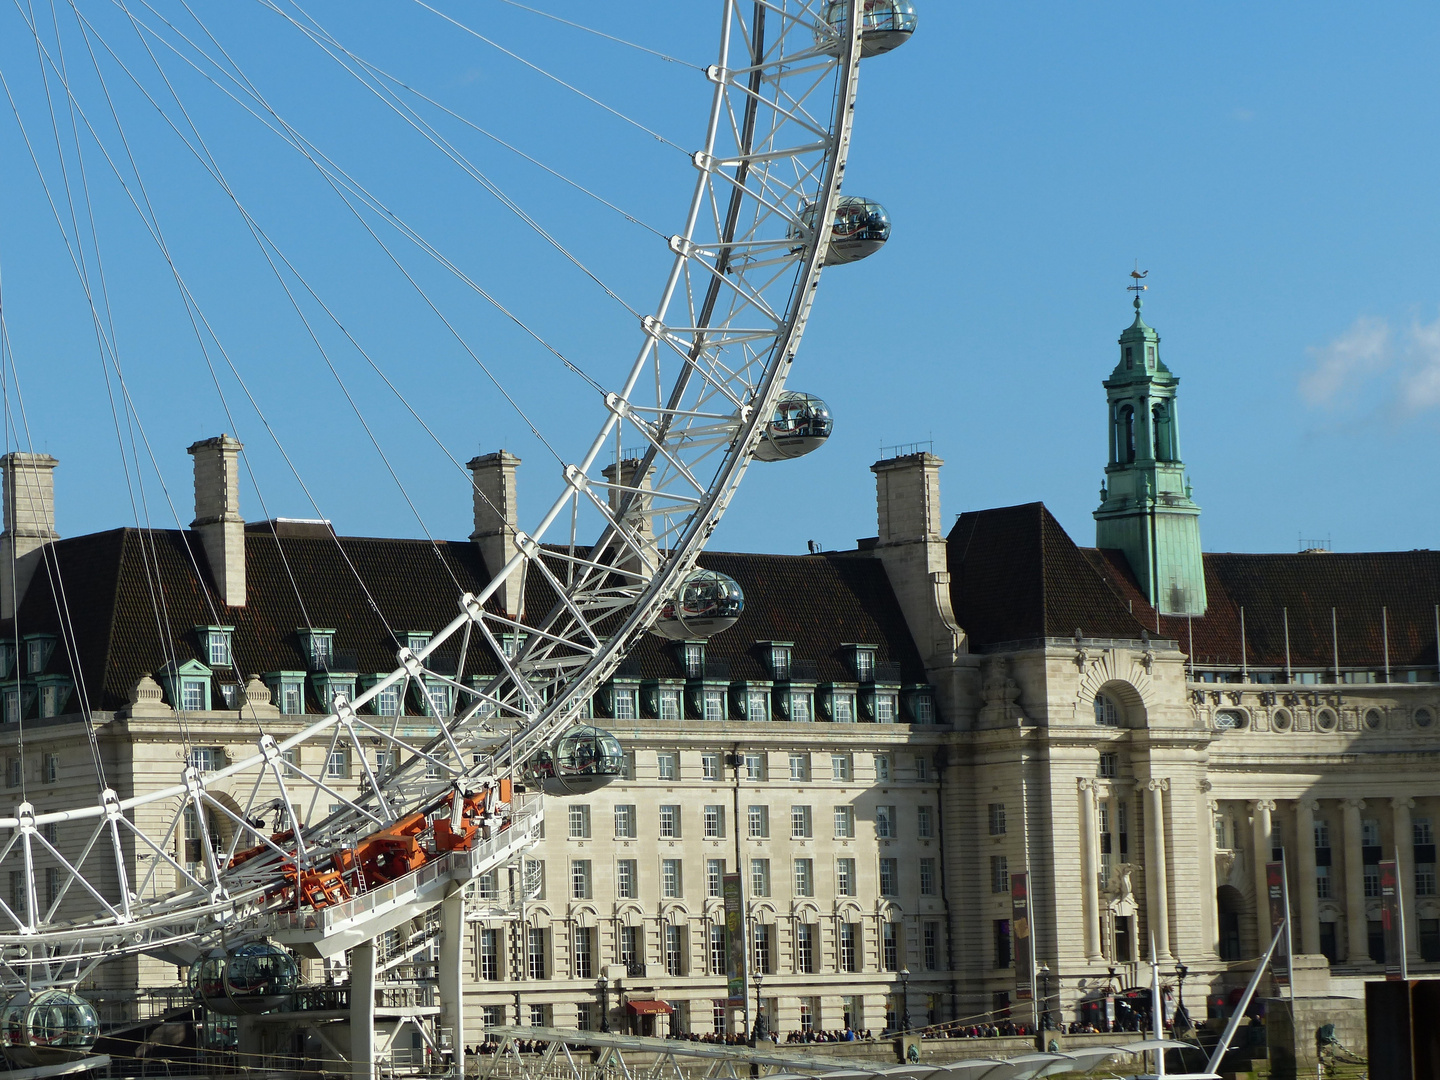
x,y
1230,904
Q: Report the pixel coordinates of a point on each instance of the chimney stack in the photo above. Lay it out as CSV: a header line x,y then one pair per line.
x,y
912,547
29,523
217,514
640,519
496,508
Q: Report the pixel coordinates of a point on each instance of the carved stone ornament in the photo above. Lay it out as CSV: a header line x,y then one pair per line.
x,y
1001,692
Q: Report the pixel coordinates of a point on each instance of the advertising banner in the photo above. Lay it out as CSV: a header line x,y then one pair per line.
x,y
1278,897
1020,930
736,990
1392,920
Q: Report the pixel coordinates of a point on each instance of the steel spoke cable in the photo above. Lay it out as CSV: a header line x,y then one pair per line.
x,y
601,34
551,76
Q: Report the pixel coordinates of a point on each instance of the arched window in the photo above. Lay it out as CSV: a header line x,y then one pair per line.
x,y
1127,434
1160,424
1107,714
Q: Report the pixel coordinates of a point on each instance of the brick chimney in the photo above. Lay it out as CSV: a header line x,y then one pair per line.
x,y
912,547
29,484
496,508
217,514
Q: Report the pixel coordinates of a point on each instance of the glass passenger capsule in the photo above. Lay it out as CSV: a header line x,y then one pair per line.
x,y
707,603
47,1028
884,25
860,229
253,978
801,423
582,760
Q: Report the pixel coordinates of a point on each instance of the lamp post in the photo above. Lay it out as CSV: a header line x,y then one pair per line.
x,y
1043,970
905,997
759,1031
604,1003
1182,1018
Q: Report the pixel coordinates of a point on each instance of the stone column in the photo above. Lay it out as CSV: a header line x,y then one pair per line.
x,y
1089,871
1157,888
452,975
362,1011
1357,947
1405,869
1209,930
1305,874
1261,843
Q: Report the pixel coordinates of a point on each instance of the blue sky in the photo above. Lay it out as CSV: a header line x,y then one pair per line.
x,y
1272,166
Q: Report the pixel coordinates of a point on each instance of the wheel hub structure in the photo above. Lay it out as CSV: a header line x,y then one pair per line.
x,y
672,445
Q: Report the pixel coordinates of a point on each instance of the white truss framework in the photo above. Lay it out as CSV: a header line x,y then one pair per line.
x,y
713,357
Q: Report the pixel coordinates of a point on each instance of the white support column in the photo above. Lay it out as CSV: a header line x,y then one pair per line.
x,y
1157,887
362,1011
1405,869
1305,874
1261,844
1089,871
452,977
1209,931
1357,935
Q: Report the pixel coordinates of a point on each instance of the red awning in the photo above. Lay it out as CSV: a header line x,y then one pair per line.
x,y
649,1008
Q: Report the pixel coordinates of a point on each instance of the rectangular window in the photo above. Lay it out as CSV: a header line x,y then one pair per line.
x,y
625,822
1425,879
1370,833
719,954
885,822
192,695
626,880
1423,830
580,880
997,819
763,951
804,949
539,1015
715,705
889,877
674,950
842,708
801,827
922,767
757,706
799,766
714,874
49,768
925,822
490,955
710,766
671,883
885,708
845,877
488,886
999,874
292,698
218,648
1109,765
714,822
1322,883
849,946
759,877
923,706
780,663
759,819
670,822
801,710
882,768
694,661
206,758
1372,880
754,766
337,764
584,952
719,1013
579,821
34,657
804,877
927,877
535,952
585,1016
668,766
632,948
670,705
1001,932
864,665
387,701
890,946
932,946
840,767
624,702
844,822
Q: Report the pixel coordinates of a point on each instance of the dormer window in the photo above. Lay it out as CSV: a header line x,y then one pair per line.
x,y
287,691
7,658
780,662
511,644
415,641
216,641
37,652
864,663
319,646
693,655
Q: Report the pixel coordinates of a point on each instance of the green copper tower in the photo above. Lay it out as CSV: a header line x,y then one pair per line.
x,y
1145,506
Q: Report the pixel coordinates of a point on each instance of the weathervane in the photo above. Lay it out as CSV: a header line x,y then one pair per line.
x,y
1138,275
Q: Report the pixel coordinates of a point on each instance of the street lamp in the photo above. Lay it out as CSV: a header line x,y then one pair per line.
x,y
1043,970
905,997
604,1003
758,1031
1182,1018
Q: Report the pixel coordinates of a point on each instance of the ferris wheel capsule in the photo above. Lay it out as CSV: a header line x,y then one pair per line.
x,y
860,228
884,25
583,760
801,423
707,603
253,978
48,1028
